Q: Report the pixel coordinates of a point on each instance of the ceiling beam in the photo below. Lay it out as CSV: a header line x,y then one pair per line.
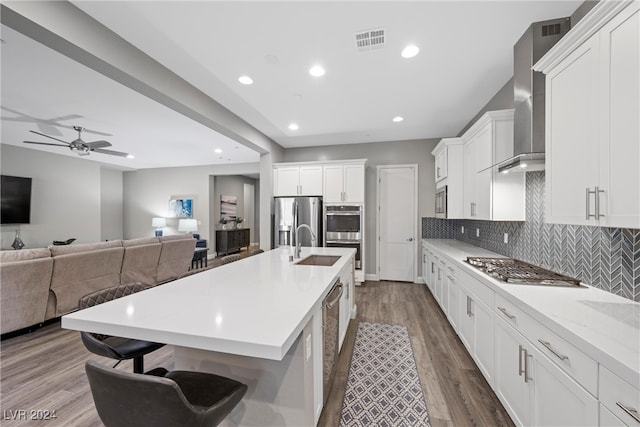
x,y
68,30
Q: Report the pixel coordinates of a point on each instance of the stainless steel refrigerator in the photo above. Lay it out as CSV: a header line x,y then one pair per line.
x,y
290,212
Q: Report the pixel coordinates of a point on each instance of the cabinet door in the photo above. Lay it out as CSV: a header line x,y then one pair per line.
x,y
619,154
454,303
354,183
441,165
469,180
571,133
424,265
509,383
483,206
311,180
466,332
333,183
483,338
557,399
286,181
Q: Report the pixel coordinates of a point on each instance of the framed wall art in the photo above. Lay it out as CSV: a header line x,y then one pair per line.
x,y
181,208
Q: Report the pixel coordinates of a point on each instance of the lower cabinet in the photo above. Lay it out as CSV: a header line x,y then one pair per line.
x,y
476,329
232,240
347,277
533,389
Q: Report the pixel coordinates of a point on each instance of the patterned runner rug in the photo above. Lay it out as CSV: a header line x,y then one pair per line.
x,y
383,388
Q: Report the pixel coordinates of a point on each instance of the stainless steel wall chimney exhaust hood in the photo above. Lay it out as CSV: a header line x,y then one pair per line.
x,y
528,91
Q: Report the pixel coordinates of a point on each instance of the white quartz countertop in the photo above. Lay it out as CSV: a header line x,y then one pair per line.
x,y
604,326
255,307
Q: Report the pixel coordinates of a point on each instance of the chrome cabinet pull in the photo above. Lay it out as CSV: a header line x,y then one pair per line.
x,y
432,267
526,366
633,413
506,313
438,172
520,370
469,311
547,344
597,196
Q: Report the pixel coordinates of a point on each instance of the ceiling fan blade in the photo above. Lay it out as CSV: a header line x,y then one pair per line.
x,y
48,136
45,143
111,152
98,144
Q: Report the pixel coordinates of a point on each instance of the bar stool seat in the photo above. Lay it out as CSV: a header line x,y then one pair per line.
x,y
117,348
161,398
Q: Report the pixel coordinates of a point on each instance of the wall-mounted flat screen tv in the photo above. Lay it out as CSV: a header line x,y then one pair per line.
x,y
15,206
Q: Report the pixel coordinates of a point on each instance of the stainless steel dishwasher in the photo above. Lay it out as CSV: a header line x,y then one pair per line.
x,y
330,321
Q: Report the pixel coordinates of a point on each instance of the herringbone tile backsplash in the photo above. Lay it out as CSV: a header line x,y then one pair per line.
x,y
608,258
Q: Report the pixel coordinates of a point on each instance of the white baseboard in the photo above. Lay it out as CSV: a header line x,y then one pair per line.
x,y
371,277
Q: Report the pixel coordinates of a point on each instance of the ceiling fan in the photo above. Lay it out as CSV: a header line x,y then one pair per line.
x,y
78,145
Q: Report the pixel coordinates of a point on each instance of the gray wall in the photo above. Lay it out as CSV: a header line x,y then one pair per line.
x,y
380,153
147,193
70,198
502,100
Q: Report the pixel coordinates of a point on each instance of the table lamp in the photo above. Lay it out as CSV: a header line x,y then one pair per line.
x,y
188,225
158,224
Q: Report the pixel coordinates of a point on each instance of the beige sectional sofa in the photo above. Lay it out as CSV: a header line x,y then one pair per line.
x,y
41,284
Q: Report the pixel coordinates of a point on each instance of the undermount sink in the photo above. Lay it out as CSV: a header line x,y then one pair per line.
x,y
323,260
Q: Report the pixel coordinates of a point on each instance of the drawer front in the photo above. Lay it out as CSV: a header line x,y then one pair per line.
x,y
475,287
619,397
571,360
607,419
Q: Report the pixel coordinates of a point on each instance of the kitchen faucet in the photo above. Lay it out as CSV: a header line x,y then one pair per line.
x,y
298,247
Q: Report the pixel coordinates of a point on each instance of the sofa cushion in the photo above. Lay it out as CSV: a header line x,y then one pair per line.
x,y
78,274
24,254
140,264
25,290
140,241
175,258
84,247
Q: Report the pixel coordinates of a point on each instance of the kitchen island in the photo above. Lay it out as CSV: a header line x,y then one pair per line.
x,y
257,320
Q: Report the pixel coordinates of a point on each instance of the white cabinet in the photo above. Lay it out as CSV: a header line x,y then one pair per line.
x,y
476,323
489,195
303,180
347,279
424,254
344,183
592,126
619,397
441,165
533,389
449,171
453,299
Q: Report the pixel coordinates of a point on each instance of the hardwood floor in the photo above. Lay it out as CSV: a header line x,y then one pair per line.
x,y
44,370
455,391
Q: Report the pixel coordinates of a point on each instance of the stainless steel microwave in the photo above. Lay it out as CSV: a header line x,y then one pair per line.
x,y
441,202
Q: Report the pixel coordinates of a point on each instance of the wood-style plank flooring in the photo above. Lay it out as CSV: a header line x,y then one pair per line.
x,y
44,370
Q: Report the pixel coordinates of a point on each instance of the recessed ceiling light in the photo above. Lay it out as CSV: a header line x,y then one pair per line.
x,y
293,126
217,150
410,51
130,156
398,119
316,71
245,80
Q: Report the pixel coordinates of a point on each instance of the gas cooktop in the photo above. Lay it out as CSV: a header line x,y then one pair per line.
x,y
514,271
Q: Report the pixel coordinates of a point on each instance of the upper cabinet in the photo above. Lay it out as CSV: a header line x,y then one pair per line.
x,y
449,172
489,195
592,129
298,180
344,182
335,181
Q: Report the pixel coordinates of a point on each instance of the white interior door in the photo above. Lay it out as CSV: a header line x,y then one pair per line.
x,y
397,219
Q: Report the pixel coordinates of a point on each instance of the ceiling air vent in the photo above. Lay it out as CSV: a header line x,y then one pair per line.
x,y
551,30
370,40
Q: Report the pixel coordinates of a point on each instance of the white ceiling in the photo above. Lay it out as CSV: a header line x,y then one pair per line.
x,y
466,51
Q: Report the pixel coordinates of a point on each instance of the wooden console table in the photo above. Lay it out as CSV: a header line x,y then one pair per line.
x,y
232,240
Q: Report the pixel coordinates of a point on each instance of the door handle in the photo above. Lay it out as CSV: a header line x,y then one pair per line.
x,y
588,193
597,192
410,239
633,413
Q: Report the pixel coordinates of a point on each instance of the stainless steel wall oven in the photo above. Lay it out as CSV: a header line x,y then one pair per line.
x,y
344,228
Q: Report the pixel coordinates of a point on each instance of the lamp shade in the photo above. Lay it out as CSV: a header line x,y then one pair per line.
x,y
158,222
188,225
